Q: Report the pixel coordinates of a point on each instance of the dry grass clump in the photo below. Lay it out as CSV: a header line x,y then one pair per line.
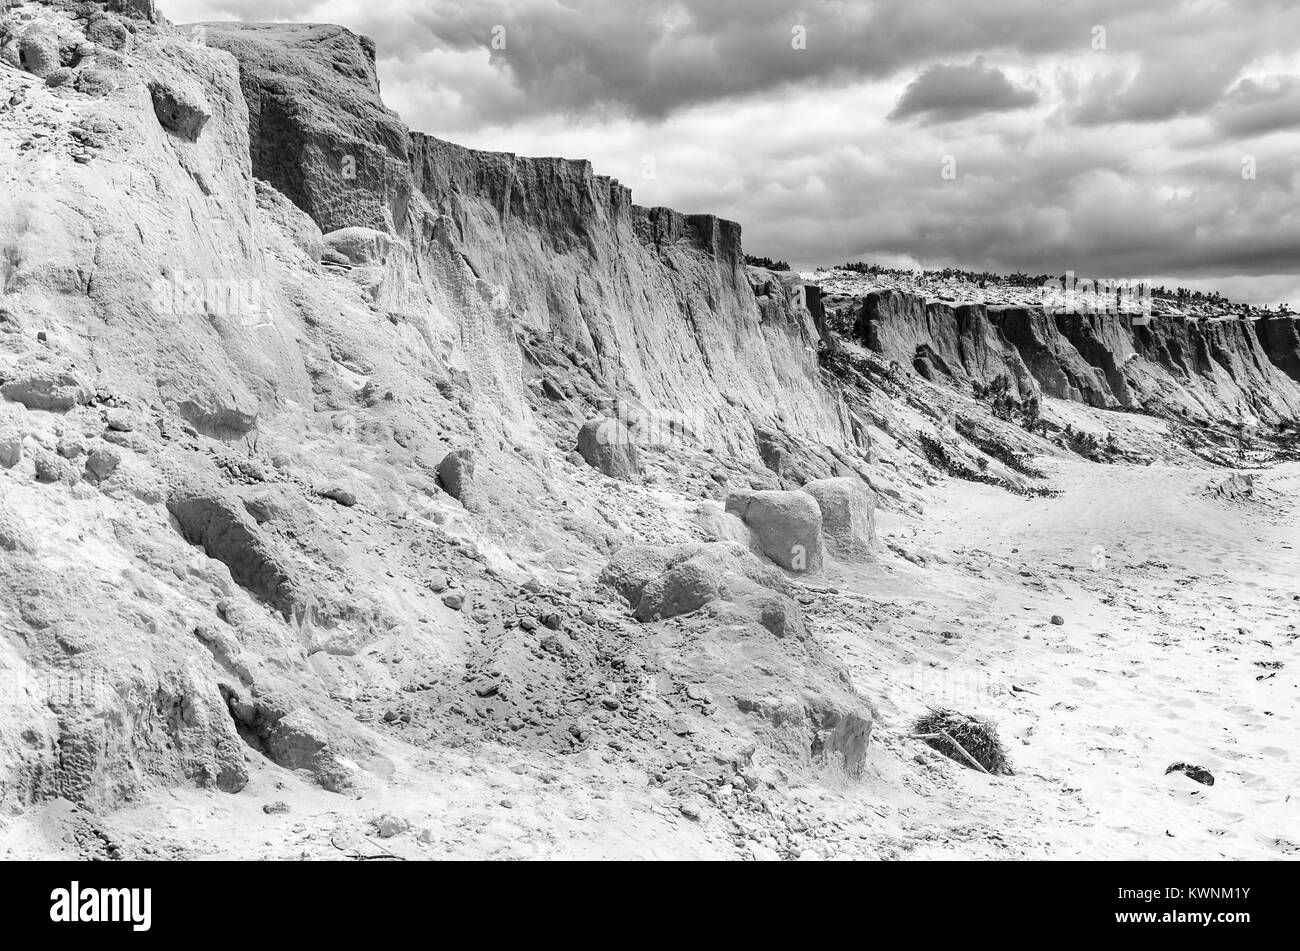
x,y
942,728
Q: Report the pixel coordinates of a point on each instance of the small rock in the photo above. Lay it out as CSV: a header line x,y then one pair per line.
x,y
1198,773
275,808
454,600
53,468
691,809
339,494
102,462
120,421
553,644
71,447
11,449
698,694
389,825
1057,619
437,582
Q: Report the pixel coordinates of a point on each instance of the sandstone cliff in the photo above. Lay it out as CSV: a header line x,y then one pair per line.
x,y
290,402
1204,369
659,302
300,435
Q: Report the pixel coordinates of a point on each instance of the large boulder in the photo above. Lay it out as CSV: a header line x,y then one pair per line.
x,y
738,563
786,525
57,388
38,50
180,107
848,510
681,589
456,475
845,736
663,582
635,566
106,30
357,246
607,445
299,741
718,525
135,9
777,612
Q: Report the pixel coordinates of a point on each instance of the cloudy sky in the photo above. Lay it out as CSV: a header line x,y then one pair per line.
x,y
1152,139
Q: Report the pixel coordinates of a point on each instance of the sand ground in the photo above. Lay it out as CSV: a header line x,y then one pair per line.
x,y
1178,644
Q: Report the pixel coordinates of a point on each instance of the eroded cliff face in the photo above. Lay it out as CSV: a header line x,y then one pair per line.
x,y
1280,338
941,341
1217,370
247,319
123,203
660,303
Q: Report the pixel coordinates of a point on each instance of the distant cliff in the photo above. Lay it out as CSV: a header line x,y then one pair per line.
x,y
1206,369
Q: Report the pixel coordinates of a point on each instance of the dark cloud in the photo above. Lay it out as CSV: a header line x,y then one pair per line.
x,y
1257,107
1164,87
648,58
944,93
1120,158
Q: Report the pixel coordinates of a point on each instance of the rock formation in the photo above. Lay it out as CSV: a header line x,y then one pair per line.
x,y
323,441
787,526
1200,368
250,319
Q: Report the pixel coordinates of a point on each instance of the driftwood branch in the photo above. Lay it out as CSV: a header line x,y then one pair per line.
x,y
944,735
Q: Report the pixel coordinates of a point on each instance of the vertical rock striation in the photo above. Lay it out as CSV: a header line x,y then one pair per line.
x,y
1209,369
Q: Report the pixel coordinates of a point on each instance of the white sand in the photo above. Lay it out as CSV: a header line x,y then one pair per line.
x,y
1158,661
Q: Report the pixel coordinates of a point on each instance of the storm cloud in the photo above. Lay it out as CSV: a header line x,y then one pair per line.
x,y
1111,137
1257,107
947,93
